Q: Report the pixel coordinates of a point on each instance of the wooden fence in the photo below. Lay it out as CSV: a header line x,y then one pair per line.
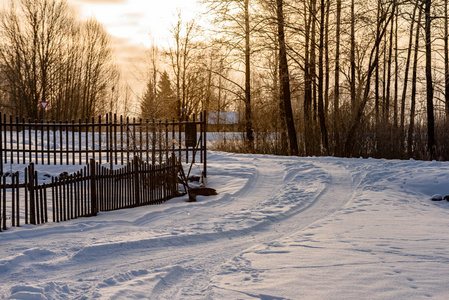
x,y
113,140
92,189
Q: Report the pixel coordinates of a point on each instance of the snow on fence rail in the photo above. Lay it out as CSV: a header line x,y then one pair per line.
x,y
114,140
92,189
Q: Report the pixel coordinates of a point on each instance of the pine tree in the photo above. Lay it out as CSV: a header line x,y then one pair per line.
x,y
148,106
166,97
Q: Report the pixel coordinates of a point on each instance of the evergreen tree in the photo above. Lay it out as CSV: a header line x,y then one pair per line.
x,y
148,106
166,97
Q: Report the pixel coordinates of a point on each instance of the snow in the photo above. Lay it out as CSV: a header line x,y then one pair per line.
x,y
226,117
280,228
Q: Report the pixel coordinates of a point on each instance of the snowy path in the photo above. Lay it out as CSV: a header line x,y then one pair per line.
x,y
335,194
174,250
280,227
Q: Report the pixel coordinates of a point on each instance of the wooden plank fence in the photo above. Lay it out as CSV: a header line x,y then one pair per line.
x,y
112,139
92,189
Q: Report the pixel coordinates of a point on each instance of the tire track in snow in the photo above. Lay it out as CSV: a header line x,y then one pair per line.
x,y
281,197
339,190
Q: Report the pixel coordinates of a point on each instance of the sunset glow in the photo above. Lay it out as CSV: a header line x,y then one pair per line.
x,y
135,20
133,24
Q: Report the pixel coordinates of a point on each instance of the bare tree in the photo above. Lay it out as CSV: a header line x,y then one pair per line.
x,y
407,70
285,82
99,69
31,35
446,59
181,59
233,25
336,119
429,82
48,56
149,106
411,127
321,114
385,19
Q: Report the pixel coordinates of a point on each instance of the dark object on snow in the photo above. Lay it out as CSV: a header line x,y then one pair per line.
x,y
200,191
194,178
446,197
190,134
437,197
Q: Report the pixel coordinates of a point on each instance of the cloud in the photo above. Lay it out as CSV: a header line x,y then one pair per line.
x,y
126,48
102,1
132,60
134,15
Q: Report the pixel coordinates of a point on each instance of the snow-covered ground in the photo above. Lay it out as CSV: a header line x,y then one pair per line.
x,y
280,228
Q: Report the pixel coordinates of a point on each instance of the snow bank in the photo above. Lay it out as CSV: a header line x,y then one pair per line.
x,y
280,228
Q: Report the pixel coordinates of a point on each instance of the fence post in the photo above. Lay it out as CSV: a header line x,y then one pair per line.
x,y
13,199
17,199
1,202
136,180
1,144
204,148
153,143
93,188
185,138
3,225
31,191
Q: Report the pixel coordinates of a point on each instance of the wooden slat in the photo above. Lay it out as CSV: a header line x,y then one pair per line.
x,y
4,203
42,204
45,206
99,138
17,139
73,142
115,137
54,210
121,140
137,183
13,198
36,197
26,195
11,140
23,140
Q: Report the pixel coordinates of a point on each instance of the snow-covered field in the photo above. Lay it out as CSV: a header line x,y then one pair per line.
x,y
280,228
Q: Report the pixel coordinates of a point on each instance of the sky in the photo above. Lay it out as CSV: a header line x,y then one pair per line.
x,y
134,20
133,25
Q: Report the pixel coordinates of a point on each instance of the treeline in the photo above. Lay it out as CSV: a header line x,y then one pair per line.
x,y
314,77
46,54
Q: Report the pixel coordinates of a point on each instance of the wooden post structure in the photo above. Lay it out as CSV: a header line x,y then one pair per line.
x,y
204,142
93,188
136,180
31,191
3,218
1,144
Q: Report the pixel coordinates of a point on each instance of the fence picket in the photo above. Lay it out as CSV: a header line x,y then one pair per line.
x,y
17,139
36,197
94,188
4,203
42,143
42,205
13,200
1,203
1,150
16,187
11,139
